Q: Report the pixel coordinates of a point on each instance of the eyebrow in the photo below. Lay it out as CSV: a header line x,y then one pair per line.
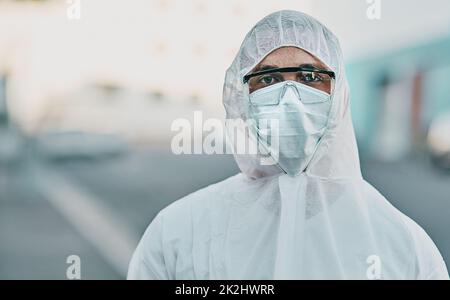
x,y
264,67
313,66
269,67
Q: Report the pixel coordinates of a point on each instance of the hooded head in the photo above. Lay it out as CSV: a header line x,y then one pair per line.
x,y
336,155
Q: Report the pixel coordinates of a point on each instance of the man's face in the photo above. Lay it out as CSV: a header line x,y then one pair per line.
x,y
290,57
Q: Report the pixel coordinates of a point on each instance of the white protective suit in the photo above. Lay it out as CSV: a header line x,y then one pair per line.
x,y
326,223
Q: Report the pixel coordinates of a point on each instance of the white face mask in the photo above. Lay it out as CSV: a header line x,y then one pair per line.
x,y
302,115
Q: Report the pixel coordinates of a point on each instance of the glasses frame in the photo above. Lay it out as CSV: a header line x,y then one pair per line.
x,y
288,70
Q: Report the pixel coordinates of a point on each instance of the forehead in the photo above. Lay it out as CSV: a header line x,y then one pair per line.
x,y
289,57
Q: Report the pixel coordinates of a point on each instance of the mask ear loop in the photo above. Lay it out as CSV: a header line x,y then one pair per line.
x,y
333,87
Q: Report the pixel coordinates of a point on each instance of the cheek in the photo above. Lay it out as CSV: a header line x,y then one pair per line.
x,y
326,88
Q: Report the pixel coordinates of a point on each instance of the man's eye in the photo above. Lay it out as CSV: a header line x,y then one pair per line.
x,y
268,79
310,77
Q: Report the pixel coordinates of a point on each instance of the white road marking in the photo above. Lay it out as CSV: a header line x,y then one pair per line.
x,y
95,221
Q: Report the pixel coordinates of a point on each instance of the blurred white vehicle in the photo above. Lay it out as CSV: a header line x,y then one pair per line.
x,y
11,146
439,141
78,145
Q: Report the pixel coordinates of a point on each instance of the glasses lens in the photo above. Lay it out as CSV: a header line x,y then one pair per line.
x,y
317,80
261,81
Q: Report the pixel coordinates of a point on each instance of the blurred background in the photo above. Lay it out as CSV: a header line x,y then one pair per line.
x,y
89,90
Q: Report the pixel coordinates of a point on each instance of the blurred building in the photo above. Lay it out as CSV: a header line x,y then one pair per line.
x,y
3,109
396,95
132,69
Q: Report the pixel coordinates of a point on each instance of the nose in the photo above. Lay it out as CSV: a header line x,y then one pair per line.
x,y
290,90
290,76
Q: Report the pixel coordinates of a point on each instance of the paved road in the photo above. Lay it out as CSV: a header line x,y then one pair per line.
x,y
418,190
97,209
35,239
40,225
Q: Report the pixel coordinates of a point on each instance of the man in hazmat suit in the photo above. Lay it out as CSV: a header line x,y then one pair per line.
x,y
311,215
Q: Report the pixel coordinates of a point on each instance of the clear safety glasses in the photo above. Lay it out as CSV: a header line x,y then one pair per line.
x,y
310,76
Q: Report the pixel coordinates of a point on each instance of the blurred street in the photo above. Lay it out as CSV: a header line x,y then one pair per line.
x,y
38,233
420,191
